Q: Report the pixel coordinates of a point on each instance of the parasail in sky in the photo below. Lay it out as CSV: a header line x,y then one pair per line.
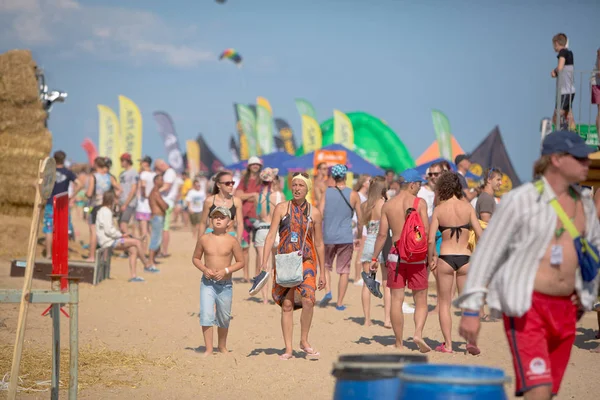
x,y
232,55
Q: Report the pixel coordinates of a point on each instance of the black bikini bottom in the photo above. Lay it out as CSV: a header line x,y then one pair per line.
x,y
454,260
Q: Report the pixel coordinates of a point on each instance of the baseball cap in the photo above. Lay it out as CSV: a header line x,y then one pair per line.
x,y
339,171
147,159
412,175
459,158
254,160
566,142
126,156
220,210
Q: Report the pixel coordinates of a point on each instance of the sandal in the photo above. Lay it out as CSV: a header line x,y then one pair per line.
x,y
137,279
472,349
151,268
285,356
372,284
310,353
443,349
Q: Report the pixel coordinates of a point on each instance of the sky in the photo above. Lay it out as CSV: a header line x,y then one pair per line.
x,y
483,63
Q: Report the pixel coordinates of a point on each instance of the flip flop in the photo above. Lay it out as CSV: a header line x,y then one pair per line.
x,y
325,300
285,356
473,350
310,353
442,348
423,347
372,284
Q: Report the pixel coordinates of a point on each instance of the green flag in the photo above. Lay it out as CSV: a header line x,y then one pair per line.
x,y
441,125
248,121
305,108
264,126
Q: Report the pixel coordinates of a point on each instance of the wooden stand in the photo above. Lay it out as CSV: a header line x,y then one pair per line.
x,y
45,184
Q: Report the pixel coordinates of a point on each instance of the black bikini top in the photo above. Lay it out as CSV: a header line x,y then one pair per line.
x,y
231,209
455,230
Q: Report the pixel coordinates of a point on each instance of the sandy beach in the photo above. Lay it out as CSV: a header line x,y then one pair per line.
x,y
159,319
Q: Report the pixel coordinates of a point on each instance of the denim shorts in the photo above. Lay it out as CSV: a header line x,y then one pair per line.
x,y
156,223
215,295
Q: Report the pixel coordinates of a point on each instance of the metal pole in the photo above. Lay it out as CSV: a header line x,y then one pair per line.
x,y
73,337
55,314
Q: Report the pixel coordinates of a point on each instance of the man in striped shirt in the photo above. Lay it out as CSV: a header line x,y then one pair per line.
x,y
527,264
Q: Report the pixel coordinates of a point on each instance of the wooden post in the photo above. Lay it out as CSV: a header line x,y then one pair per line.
x,y
44,186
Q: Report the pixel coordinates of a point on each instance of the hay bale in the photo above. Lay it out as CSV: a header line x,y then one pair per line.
x,y
23,120
14,210
22,154
14,234
18,82
18,190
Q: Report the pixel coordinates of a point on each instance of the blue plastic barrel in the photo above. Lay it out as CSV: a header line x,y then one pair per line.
x,y
371,376
452,382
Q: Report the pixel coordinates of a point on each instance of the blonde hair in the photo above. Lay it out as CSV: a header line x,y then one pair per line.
x,y
541,166
360,182
377,190
560,38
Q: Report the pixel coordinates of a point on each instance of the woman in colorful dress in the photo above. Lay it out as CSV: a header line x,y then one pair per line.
x,y
292,219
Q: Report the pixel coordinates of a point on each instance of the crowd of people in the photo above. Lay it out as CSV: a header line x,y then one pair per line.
x,y
407,228
526,266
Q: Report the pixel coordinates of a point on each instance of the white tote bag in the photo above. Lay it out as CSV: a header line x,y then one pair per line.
x,y
289,271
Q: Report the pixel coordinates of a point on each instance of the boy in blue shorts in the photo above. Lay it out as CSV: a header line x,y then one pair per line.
x,y
216,287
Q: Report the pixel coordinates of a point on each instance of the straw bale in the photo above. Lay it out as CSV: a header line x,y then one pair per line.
x,y
17,190
21,154
22,119
18,82
14,235
15,210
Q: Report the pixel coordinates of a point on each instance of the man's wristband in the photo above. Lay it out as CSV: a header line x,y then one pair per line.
x,y
470,313
227,271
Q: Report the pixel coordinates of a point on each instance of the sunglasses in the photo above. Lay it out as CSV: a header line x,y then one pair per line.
x,y
304,174
228,183
433,174
580,159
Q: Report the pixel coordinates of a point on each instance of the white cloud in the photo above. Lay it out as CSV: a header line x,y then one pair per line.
x,y
104,32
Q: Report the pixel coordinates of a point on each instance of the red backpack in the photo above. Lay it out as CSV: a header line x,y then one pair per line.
x,y
412,245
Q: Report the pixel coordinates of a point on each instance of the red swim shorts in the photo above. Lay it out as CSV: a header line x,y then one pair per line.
x,y
399,275
541,342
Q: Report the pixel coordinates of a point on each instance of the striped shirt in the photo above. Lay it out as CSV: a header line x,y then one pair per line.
x,y
507,257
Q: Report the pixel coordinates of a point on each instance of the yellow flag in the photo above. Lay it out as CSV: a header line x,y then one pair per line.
x,y
343,133
109,141
312,139
193,157
131,128
244,149
261,101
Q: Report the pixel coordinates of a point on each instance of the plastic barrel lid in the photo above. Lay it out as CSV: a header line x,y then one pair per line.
x,y
383,358
371,366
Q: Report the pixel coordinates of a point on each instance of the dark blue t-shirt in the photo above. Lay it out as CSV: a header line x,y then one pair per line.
x,y
64,176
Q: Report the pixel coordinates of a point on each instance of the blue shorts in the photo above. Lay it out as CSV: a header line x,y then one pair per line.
x,y
215,295
438,242
49,220
156,224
